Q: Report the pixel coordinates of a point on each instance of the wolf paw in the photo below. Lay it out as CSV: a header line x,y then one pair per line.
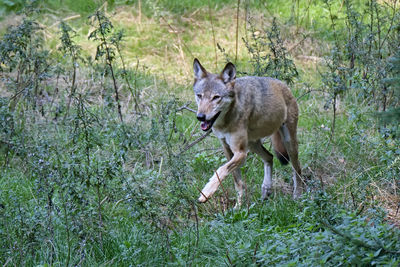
x,y
202,199
266,192
297,192
237,206
208,191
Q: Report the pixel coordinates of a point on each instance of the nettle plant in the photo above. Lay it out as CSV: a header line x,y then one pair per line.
x,y
109,49
358,61
72,53
269,56
105,49
25,62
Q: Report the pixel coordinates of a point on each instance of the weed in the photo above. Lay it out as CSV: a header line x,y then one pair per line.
x,y
21,51
106,48
269,56
72,51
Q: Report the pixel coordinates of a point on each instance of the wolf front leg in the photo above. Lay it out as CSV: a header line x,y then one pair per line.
x,y
223,171
236,174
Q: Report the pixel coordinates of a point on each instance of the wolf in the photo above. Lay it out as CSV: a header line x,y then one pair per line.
x,y
241,112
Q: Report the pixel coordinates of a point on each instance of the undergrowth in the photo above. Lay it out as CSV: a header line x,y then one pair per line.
x,y
102,160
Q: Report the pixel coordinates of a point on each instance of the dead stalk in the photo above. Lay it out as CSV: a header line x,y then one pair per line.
x,y
213,34
202,194
194,142
223,189
237,30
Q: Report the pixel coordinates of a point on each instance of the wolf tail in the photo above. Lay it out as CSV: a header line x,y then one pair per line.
x,y
279,148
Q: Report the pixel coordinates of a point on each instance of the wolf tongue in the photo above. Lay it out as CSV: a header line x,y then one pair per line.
x,y
204,125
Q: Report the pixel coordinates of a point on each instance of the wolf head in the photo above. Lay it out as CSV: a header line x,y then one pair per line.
x,y
214,93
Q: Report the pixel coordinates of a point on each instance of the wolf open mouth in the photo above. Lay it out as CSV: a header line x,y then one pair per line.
x,y
207,124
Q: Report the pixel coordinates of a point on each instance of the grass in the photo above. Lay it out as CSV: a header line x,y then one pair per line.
x,y
125,193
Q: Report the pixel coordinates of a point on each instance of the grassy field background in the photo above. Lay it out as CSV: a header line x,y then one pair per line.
x,y
84,183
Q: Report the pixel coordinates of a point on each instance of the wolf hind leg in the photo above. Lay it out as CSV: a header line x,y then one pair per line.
x,y
239,187
289,137
267,158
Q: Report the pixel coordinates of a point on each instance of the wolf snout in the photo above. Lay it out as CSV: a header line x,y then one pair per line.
x,y
201,116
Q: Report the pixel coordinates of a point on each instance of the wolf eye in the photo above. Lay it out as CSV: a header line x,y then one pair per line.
x,y
216,97
198,96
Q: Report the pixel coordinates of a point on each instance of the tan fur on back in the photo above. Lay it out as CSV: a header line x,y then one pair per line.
x,y
260,106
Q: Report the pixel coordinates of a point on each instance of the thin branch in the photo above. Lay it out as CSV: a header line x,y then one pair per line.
x,y
255,252
305,36
391,23
187,108
197,224
223,189
308,92
229,259
194,142
213,34
202,194
237,30
65,19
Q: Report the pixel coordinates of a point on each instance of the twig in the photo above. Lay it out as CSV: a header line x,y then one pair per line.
x,y
391,24
66,19
197,224
229,259
247,196
125,76
213,34
353,199
313,58
361,210
194,142
202,194
223,189
309,91
255,252
237,30
7,261
186,107
305,36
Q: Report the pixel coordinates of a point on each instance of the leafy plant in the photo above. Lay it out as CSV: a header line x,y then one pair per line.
x,y
21,51
116,40
13,5
105,49
393,115
269,57
72,51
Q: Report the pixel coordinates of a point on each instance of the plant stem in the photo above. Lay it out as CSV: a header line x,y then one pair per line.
x,y
237,29
213,34
109,63
125,75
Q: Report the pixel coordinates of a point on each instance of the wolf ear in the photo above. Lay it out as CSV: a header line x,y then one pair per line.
x,y
229,73
199,70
